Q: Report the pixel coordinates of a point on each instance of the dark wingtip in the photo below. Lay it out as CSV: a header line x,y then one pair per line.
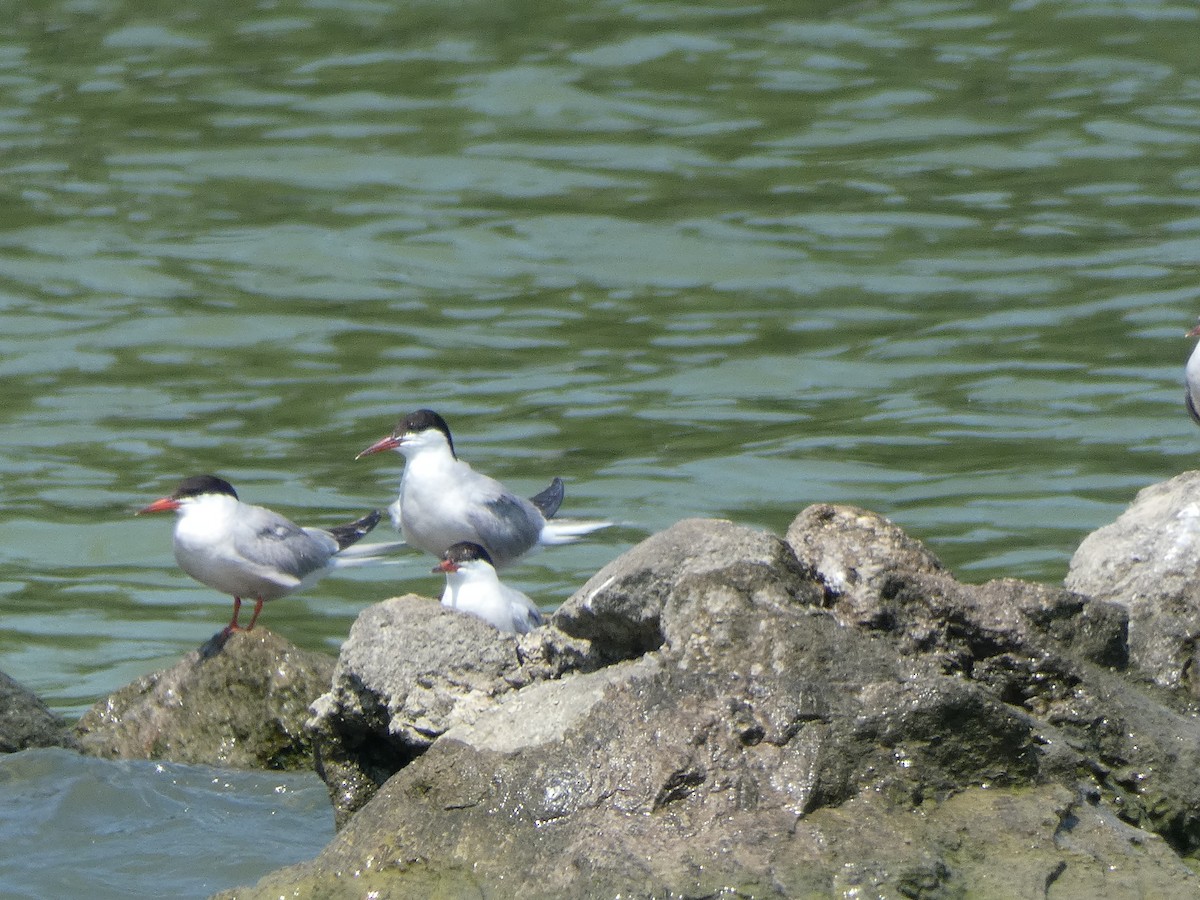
x,y
351,532
549,500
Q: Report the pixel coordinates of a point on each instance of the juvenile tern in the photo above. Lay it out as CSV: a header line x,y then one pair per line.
x,y
472,586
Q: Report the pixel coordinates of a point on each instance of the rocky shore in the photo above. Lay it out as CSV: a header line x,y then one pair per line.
x,y
725,712
26,722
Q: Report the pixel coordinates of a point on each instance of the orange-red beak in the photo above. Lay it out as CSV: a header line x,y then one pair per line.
x,y
446,565
391,442
163,504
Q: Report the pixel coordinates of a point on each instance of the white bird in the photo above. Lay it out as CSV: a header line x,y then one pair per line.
x,y
1192,377
472,586
443,501
252,552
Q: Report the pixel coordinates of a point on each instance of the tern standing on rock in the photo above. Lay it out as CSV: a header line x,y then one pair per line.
x,y
251,552
472,586
1192,376
443,501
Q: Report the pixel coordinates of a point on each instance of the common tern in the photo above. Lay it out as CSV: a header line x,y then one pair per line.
x,y
443,501
1192,377
472,586
252,552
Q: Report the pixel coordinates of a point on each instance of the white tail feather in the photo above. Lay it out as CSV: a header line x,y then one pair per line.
x,y
367,554
564,531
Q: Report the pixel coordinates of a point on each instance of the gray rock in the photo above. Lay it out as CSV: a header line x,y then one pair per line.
x,y
240,702
969,624
1148,561
25,721
954,741
619,610
852,551
408,671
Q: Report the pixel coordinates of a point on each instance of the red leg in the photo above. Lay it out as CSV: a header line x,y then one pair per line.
x,y
258,604
233,623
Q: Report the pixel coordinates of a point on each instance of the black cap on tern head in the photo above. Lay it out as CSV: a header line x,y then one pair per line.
x,y
465,551
196,485
423,420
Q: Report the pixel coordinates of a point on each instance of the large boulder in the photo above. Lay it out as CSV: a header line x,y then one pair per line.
x,y
26,722
409,670
241,701
619,610
751,739
1148,561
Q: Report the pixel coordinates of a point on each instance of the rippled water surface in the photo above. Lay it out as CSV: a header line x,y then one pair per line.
x,y
72,826
931,258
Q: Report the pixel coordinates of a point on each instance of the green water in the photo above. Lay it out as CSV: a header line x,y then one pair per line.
x,y
934,259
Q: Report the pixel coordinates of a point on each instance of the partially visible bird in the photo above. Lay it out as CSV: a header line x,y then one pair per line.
x,y
1192,377
472,586
443,501
251,552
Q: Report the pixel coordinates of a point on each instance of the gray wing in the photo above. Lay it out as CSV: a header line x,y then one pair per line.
x,y
523,612
526,618
507,527
1191,405
270,541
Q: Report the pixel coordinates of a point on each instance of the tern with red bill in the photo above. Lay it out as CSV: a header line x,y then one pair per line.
x,y
472,586
252,552
443,501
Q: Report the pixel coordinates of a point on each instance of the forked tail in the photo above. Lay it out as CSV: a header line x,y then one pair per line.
x,y
564,531
347,534
366,554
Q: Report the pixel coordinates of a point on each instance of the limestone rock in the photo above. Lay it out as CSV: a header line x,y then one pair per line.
x,y
749,741
619,610
240,702
852,551
1148,561
409,670
25,721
